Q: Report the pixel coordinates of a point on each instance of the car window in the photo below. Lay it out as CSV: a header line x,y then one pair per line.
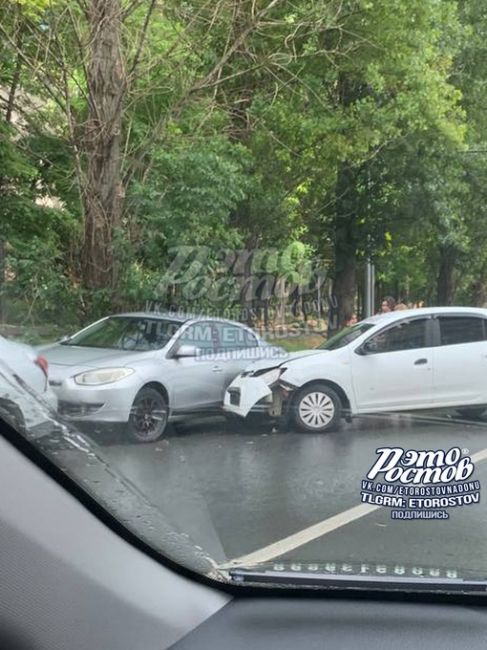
x,y
345,336
408,335
201,334
231,337
457,329
124,333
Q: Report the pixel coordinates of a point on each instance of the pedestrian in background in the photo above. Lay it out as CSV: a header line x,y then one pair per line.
x,y
388,304
349,322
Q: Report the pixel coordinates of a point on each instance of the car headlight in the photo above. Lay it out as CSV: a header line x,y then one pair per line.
x,y
102,376
270,376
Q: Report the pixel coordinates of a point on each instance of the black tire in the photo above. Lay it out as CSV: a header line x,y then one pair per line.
x,y
316,409
471,413
12,414
148,416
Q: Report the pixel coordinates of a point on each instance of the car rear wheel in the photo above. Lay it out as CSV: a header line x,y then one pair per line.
x,y
471,413
316,409
148,416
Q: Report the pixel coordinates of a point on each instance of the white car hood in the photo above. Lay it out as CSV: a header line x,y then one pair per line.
x,y
282,359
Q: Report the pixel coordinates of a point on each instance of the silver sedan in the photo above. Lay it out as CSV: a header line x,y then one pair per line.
x,y
145,369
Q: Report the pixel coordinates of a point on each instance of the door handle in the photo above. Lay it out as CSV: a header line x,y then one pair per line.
x,y
420,362
217,369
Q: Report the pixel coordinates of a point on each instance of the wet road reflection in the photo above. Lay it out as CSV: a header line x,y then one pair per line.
x,y
233,493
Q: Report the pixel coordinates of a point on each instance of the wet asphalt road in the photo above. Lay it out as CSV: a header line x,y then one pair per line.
x,y
234,493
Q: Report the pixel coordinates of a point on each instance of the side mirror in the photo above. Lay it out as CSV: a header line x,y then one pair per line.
x,y
64,339
368,347
186,351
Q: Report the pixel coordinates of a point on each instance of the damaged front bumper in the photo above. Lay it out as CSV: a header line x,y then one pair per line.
x,y
248,393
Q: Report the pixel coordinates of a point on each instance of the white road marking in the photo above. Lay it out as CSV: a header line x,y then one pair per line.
x,y
479,456
303,536
311,533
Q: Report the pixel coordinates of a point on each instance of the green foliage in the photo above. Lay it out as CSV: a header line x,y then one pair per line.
x,y
234,134
191,193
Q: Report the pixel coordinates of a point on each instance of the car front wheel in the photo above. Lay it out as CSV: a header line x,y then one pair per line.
x,y
148,416
317,409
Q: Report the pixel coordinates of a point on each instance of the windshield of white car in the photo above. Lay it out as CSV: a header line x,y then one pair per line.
x,y
345,336
126,333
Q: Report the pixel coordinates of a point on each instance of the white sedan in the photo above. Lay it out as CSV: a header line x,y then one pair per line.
x,y
401,361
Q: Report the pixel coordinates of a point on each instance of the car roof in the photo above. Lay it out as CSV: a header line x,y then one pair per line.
x,y
176,317
392,316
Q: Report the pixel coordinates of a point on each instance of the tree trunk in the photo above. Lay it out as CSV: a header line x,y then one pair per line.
x,y
15,81
248,290
2,280
12,93
344,287
102,191
445,280
479,287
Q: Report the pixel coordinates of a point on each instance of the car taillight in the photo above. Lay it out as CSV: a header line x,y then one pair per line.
x,y
43,364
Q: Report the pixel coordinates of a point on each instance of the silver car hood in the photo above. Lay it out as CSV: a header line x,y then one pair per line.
x,y
70,355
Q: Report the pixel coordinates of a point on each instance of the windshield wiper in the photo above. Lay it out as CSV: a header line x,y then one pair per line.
x,y
334,581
